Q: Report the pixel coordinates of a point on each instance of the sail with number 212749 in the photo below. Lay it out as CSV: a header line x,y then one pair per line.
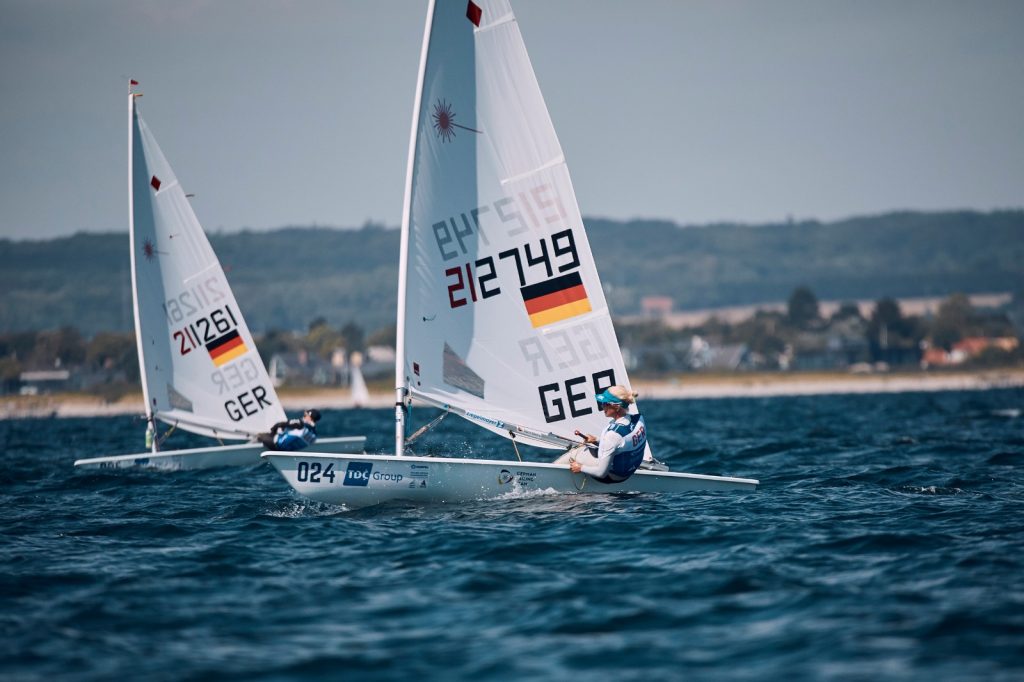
x,y
502,319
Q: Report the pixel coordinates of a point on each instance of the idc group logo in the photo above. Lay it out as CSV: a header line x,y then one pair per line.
x,y
358,473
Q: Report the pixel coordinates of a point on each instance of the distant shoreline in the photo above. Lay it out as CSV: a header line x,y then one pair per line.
x,y
756,385
687,386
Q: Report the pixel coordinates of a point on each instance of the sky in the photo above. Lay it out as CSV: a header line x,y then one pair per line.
x,y
297,112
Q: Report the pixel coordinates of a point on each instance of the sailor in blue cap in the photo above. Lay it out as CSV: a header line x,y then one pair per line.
x,y
620,449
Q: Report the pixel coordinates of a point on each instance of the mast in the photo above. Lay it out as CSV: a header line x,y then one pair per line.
x,y
131,245
401,390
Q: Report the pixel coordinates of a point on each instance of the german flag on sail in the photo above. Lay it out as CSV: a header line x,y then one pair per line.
x,y
226,348
555,300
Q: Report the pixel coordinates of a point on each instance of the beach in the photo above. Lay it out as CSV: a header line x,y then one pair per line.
x,y
756,385
688,386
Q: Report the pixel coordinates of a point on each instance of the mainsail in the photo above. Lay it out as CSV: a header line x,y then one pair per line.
x,y
200,367
501,313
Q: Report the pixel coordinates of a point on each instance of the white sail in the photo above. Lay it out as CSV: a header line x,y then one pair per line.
x,y
505,320
360,394
200,367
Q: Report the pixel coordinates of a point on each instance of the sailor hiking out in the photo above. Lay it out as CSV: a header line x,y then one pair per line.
x,y
620,449
295,434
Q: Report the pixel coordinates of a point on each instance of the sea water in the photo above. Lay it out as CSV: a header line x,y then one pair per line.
x,y
886,542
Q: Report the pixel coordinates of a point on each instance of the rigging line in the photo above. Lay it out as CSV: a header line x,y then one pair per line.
x,y
166,435
426,427
572,474
512,437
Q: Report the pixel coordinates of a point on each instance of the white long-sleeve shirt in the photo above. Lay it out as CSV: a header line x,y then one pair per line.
x,y
607,446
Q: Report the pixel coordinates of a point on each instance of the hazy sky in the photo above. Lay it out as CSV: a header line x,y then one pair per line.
x,y
279,113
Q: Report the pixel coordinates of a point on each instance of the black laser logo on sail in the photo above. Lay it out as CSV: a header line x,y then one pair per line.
x,y
444,121
150,251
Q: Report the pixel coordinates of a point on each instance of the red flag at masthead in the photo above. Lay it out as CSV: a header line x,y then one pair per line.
x,y
474,13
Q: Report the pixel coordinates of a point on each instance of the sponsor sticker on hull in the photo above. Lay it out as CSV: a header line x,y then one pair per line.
x,y
362,473
420,473
358,473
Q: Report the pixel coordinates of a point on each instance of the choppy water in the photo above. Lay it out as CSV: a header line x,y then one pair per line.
x,y
886,541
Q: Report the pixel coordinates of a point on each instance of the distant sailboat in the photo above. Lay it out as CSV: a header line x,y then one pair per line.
x,y
357,384
199,366
502,319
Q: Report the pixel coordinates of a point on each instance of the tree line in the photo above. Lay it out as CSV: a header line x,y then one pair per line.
x,y
351,274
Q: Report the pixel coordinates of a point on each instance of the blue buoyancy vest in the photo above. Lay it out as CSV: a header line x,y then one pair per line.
x,y
290,440
630,453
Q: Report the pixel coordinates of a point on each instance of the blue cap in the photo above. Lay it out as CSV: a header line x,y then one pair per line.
x,y
610,399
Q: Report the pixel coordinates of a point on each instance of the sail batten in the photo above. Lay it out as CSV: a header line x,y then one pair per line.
x,y
507,19
208,268
526,175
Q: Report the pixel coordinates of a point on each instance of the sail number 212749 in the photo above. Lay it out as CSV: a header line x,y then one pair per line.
x,y
475,280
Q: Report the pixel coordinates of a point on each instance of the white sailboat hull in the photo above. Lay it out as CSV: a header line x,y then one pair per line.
x,y
245,454
363,480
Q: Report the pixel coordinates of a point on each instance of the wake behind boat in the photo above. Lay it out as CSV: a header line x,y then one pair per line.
x,y
502,318
199,366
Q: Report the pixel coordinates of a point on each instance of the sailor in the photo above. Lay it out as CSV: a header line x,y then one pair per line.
x,y
620,449
291,435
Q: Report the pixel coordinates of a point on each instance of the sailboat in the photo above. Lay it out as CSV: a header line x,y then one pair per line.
x,y
360,393
502,319
199,366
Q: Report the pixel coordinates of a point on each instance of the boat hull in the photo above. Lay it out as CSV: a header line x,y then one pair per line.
x,y
363,480
245,454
